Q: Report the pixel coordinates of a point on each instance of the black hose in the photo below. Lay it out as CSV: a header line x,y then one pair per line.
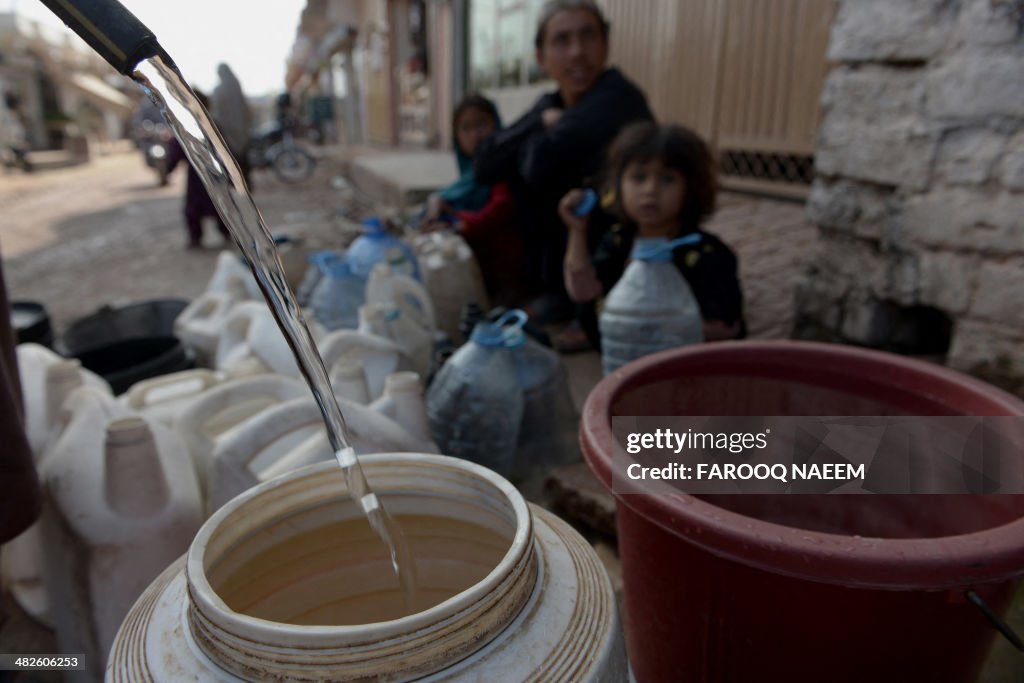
x,y
110,29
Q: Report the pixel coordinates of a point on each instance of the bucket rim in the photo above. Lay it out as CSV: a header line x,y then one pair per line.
x,y
990,555
515,563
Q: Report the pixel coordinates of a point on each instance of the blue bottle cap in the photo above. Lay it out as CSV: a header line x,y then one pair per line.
x,y
586,204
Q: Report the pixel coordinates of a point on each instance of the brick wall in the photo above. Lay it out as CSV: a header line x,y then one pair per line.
x,y
919,198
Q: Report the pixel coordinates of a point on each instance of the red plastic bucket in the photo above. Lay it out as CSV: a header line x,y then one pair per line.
x,y
805,587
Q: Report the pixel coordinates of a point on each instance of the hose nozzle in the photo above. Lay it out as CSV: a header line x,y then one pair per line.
x,y
110,29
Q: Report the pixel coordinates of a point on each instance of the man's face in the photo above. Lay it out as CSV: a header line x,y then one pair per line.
x,y
573,53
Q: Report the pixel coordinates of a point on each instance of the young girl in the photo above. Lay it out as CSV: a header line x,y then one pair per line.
x,y
482,214
664,185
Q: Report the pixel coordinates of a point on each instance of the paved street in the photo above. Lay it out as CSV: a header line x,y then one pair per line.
x,y
105,233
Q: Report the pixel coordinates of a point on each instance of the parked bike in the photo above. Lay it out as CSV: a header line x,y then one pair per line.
x,y
273,146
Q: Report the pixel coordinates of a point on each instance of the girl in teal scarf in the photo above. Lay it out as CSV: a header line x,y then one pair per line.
x,y
475,119
481,214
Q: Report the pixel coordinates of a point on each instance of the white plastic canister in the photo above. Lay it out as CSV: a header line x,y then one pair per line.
x,y
379,357
230,268
452,278
199,326
292,435
393,289
121,502
391,322
251,342
542,608
403,402
46,381
164,398
226,405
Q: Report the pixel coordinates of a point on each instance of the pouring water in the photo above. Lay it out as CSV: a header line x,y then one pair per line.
x,y
132,49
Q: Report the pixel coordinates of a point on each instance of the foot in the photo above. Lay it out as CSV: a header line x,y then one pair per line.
x,y
571,340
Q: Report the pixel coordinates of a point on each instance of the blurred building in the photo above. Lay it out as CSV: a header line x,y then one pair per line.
x,y
68,96
746,74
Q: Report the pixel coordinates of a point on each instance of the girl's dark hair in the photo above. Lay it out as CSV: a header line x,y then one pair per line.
x,y
476,101
676,147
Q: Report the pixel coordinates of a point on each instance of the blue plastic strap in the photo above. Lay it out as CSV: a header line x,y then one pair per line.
x,y
662,250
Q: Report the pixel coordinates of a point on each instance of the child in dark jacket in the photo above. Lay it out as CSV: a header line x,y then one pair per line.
x,y
663,182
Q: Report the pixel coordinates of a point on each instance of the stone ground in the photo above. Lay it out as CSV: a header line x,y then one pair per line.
x,y
77,238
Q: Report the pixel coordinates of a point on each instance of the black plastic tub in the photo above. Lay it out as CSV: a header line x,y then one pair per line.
x,y
129,344
125,362
31,323
143,320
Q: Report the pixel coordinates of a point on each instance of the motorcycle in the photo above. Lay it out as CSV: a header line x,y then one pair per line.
x,y
273,146
153,138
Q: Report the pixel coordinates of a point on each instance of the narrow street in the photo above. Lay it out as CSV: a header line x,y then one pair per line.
x,y
77,238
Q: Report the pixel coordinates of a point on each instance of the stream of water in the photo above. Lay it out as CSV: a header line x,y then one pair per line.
x,y
208,153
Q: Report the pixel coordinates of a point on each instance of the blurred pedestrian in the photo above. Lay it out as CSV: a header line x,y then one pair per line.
x,y
234,118
198,204
15,134
560,142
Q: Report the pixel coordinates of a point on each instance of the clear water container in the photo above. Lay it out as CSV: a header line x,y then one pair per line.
x,y
651,308
377,245
474,404
338,296
316,263
548,434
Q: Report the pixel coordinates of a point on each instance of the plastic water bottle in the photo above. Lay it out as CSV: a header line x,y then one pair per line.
x,y
548,434
375,246
338,296
317,261
651,308
474,404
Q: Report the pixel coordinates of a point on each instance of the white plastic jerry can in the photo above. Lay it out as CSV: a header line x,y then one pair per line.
x,y
392,322
226,405
251,343
165,397
393,289
292,435
403,402
452,278
121,503
348,379
378,355
46,381
230,268
199,326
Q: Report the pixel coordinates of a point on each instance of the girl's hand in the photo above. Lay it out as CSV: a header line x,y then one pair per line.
x,y
435,207
566,211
